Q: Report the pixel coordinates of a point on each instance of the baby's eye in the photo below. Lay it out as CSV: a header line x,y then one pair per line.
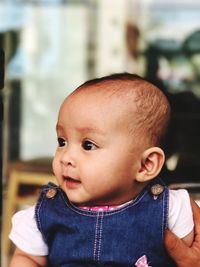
x,y
88,145
61,141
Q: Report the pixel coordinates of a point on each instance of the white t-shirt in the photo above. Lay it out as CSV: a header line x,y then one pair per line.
x,y
26,236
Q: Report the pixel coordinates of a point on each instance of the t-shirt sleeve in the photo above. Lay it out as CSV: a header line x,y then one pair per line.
x,y
180,220
25,234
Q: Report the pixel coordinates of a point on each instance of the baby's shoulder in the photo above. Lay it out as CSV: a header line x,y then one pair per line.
x,y
180,219
178,198
24,215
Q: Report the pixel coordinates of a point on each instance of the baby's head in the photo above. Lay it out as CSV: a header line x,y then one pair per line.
x,y
109,134
144,107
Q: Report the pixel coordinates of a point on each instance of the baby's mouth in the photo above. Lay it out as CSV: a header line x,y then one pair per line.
x,y
71,181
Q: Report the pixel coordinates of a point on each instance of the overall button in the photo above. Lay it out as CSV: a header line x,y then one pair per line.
x,y
51,193
157,189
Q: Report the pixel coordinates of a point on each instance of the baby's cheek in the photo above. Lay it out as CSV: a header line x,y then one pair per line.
x,y
55,166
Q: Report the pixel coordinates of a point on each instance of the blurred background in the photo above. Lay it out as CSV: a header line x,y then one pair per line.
x,y
51,47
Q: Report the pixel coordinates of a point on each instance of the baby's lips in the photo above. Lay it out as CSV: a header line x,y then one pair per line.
x,y
68,178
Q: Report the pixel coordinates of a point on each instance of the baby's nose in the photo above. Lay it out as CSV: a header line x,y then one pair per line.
x,y
68,157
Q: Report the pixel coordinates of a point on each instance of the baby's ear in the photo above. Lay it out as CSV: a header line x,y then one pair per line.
x,y
151,164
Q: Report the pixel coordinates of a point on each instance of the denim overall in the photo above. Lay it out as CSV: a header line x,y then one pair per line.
x,y
77,237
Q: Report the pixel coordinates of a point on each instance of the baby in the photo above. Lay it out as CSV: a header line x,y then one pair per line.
x,y
110,208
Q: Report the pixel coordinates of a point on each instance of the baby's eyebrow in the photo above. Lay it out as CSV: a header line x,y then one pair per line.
x,y
88,129
91,129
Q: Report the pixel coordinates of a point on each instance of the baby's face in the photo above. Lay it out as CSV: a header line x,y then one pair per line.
x,y
96,160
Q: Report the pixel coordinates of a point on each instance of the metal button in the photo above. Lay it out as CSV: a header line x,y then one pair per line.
x,y
51,193
157,189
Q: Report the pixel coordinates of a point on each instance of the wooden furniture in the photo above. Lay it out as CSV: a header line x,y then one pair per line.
x,y
24,180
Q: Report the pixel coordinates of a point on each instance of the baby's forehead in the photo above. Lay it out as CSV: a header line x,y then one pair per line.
x,y
95,108
119,97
